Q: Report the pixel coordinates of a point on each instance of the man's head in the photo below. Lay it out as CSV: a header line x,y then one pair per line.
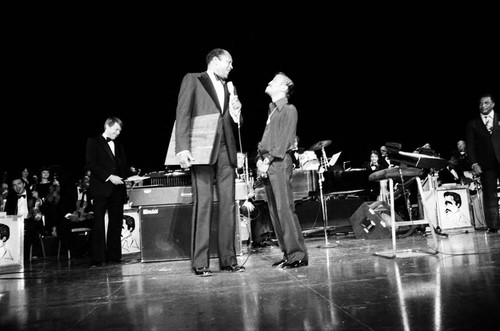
x,y
486,104
220,62
113,127
461,146
18,186
281,86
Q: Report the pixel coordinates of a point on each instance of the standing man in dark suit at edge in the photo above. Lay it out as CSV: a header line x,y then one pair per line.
x,y
201,94
483,148
275,162
107,162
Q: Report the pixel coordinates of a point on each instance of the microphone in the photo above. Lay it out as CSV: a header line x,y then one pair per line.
x,y
231,88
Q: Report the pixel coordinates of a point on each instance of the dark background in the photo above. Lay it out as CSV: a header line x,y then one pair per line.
x,y
360,84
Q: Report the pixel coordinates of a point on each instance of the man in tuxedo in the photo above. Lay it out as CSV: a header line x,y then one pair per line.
x,y
451,174
107,162
21,202
483,148
202,94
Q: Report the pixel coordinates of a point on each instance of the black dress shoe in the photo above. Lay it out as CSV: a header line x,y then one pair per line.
x,y
202,272
233,268
492,231
279,263
295,264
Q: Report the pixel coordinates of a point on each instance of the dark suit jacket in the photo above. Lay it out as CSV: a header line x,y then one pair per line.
x,y
198,97
483,147
102,164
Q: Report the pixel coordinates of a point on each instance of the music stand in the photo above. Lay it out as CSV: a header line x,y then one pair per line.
x,y
322,168
399,173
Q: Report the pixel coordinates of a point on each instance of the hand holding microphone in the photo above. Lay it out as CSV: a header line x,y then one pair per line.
x,y
234,103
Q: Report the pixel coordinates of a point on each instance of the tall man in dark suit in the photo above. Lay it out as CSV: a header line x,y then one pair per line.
x,y
203,94
483,148
107,162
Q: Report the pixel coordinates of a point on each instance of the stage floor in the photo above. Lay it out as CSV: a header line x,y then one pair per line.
x,y
345,287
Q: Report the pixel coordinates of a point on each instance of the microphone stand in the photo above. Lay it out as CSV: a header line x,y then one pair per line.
x,y
323,167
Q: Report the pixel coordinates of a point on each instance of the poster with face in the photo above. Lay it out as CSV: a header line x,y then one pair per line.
x,y
130,237
454,208
11,241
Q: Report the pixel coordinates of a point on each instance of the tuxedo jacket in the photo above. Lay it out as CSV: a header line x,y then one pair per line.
x,y
483,147
445,176
11,204
197,96
102,163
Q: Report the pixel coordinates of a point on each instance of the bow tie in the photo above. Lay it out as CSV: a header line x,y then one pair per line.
x,y
21,195
108,139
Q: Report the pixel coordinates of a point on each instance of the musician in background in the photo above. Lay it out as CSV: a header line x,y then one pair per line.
x,y
76,208
296,152
451,174
376,163
463,159
384,155
275,163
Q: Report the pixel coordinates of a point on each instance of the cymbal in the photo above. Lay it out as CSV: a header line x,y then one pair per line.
x,y
395,173
320,145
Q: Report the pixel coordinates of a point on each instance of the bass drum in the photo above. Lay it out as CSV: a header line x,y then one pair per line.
x,y
309,161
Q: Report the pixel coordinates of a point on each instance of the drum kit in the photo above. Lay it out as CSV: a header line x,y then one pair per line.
x,y
309,160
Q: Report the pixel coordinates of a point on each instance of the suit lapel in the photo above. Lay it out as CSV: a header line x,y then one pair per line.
x,y
209,86
107,148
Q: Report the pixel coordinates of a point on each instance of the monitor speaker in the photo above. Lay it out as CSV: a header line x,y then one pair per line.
x,y
368,222
166,233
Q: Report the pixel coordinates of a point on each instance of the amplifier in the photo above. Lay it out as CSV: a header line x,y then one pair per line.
x,y
166,233
165,195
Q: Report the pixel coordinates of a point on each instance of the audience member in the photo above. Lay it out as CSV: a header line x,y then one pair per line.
x,y
483,149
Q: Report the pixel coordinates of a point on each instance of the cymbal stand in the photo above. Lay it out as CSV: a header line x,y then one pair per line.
x,y
323,167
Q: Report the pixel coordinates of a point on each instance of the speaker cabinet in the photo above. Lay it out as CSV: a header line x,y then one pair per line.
x,y
367,223
166,233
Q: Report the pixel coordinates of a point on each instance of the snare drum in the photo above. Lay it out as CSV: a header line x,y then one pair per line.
x,y
309,161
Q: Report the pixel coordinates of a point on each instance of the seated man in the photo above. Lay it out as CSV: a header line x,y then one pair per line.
x,y
76,208
451,174
21,202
